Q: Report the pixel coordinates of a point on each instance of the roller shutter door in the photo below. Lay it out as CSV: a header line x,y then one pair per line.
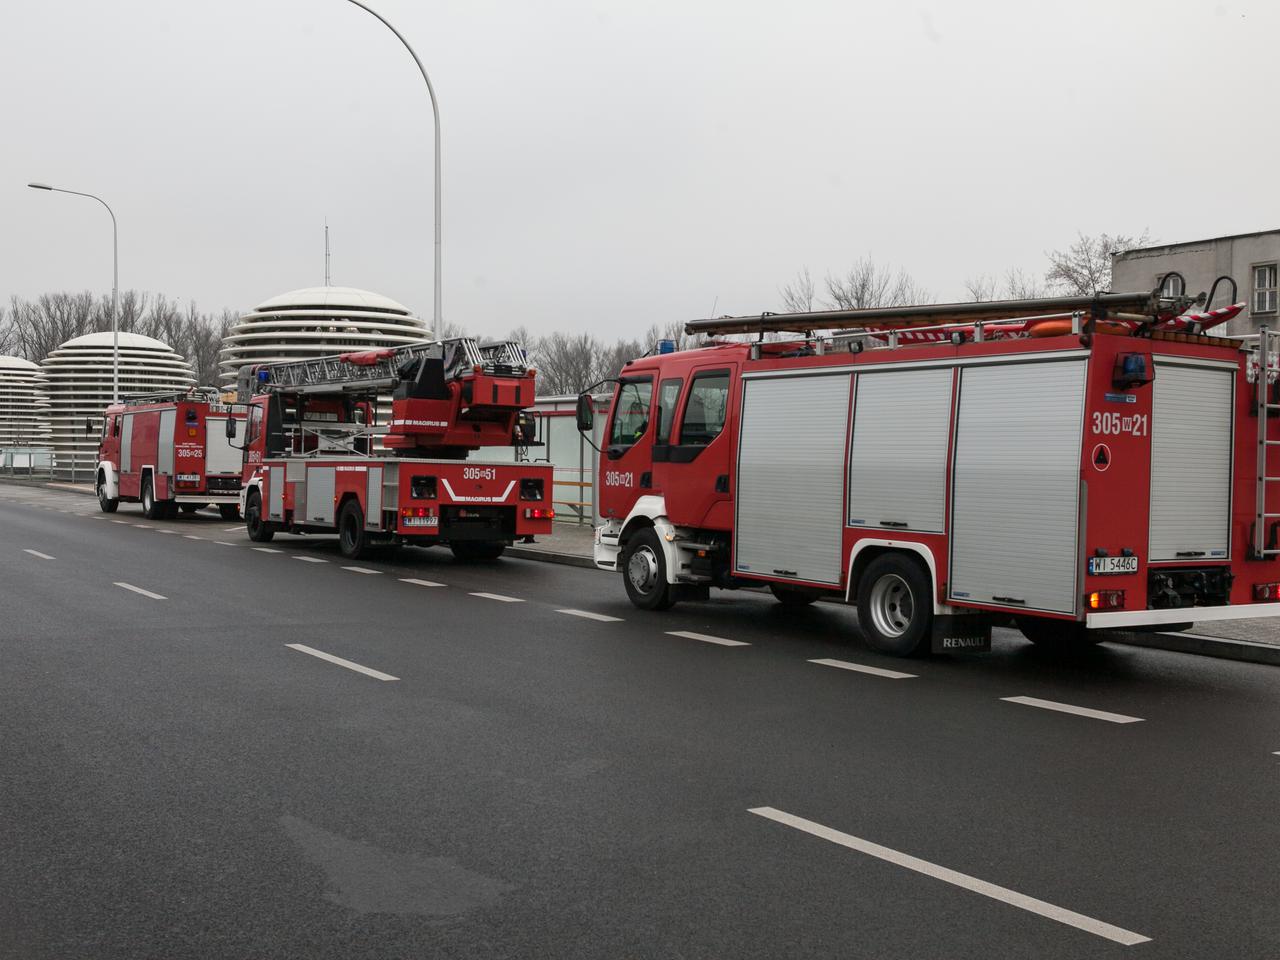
x,y
1190,462
1016,485
898,460
791,470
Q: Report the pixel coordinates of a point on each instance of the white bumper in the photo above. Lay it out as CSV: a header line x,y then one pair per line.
x,y
1142,618
606,549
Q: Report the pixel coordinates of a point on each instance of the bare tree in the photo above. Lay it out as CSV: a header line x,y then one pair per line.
x,y
1084,268
798,295
1016,285
567,363
867,284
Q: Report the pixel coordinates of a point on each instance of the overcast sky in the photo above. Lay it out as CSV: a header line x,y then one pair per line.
x,y
609,165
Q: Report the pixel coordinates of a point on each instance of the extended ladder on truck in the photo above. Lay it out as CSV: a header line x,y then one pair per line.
x,y
1266,376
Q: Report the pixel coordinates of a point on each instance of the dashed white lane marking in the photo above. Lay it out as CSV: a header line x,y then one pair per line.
x,y
367,671
309,559
863,668
226,543
119,521
1003,894
191,536
421,583
142,526
588,615
498,596
266,549
361,570
707,638
231,529
145,593
166,531
37,553
1069,708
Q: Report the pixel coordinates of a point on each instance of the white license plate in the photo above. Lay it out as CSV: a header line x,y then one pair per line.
x,y
421,521
1104,566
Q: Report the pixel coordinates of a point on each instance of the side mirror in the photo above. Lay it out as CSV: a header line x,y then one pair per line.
x,y
88,426
586,414
231,428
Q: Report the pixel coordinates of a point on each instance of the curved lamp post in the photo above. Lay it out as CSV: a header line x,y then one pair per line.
x,y
435,111
115,285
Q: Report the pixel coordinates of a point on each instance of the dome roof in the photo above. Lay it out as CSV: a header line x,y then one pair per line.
x,y
17,363
133,341
332,298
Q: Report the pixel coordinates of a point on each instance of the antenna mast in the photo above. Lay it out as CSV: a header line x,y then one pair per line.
x,y
326,251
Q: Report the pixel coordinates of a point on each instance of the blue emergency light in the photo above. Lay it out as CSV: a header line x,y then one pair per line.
x,y
666,346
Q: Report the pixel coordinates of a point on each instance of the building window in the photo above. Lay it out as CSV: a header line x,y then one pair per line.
x,y
1172,286
1264,288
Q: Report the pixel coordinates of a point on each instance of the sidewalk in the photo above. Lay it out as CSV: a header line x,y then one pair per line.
x,y
569,543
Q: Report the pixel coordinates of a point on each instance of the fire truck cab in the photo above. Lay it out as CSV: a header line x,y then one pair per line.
x,y
1116,469
169,452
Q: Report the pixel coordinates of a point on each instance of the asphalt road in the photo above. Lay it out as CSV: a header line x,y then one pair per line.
x,y
517,780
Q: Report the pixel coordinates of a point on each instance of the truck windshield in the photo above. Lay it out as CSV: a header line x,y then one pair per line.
x,y
630,412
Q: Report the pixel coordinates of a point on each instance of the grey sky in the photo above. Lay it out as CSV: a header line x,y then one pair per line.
x,y
609,165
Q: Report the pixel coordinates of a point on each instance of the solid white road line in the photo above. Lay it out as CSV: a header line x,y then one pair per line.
x,y
361,570
266,549
421,583
1003,894
309,559
588,615
37,553
145,593
705,638
1068,708
367,671
863,668
498,596
226,543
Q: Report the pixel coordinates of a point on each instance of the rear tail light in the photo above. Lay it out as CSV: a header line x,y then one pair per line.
x,y
417,511
539,513
1266,591
1105,600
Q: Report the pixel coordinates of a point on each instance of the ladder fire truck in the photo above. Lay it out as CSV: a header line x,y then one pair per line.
x,y
1073,465
312,462
169,451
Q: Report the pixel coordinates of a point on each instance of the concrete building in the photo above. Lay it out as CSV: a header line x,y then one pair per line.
x,y
1251,259
23,410
75,380
316,322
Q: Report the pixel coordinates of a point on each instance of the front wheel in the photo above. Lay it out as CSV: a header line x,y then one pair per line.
x,y
106,504
644,572
228,511
260,531
352,538
476,551
153,508
895,606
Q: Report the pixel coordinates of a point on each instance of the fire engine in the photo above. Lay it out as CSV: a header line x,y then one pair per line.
x,y
316,460
169,452
1073,465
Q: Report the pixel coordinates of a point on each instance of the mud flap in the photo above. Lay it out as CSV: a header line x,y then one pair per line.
x,y
954,634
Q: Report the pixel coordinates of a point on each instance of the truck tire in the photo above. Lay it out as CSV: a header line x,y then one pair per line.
x,y
644,572
1058,634
259,530
352,538
104,504
477,551
153,509
895,606
228,511
793,596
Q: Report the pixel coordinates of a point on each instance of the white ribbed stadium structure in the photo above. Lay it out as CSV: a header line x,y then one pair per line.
x,y
315,322
23,411
76,381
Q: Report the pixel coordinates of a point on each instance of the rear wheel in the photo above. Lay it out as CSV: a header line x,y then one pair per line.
x,y
477,551
352,538
644,572
260,531
895,606
793,596
1058,634
228,511
105,503
153,508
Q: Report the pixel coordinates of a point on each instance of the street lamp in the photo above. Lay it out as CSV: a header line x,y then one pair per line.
x,y
435,111
115,285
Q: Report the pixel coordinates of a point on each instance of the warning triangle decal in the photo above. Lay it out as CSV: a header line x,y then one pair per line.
x,y
1101,456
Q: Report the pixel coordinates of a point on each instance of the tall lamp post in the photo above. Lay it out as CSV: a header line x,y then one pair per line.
x,y
435,111
115,285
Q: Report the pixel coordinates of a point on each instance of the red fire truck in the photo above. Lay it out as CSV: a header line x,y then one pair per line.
x,y
1071,464
316,460
169,452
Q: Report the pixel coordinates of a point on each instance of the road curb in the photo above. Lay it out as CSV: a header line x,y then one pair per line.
x,y
551,556
1245,651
